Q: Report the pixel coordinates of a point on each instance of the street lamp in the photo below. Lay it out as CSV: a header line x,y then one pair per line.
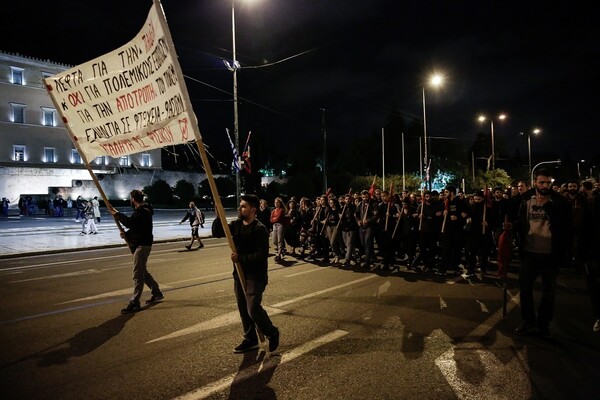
x,y
236,131
542,163
578,169
535,131
501,117
435,80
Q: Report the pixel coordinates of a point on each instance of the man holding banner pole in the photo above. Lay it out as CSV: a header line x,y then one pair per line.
x,y
101,102
251,240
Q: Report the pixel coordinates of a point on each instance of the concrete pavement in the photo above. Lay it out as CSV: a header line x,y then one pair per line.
x,y
41,234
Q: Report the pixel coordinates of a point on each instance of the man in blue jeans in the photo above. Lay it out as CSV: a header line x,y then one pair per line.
x,y
139,237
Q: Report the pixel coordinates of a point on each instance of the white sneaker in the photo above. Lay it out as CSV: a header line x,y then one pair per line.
x,y
596,327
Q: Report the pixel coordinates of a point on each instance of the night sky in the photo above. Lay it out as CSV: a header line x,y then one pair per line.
x,y
360,60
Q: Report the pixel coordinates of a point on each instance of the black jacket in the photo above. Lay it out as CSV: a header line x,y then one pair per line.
x,y
559,214
252,246
140,226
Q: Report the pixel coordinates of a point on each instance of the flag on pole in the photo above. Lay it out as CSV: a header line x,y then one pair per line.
x,y
235,164
372,188
427,167
246,155
127,101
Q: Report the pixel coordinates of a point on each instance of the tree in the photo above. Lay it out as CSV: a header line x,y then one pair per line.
x,y
159,192
491,179
185,191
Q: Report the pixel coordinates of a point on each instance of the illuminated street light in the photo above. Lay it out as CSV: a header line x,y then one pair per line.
x,y
535,131
482,118
578,169
543,163
435,81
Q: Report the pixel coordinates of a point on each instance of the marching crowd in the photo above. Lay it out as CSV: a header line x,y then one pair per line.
x,y
448,232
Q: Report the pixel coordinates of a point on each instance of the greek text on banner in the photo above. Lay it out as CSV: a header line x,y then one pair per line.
x,y
127,101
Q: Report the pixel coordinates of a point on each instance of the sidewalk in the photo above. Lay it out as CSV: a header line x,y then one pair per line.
x,y
40,234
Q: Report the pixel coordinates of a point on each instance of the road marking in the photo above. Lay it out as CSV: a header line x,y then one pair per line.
x,y
218,322
122,292
127,254
83,272
310,271
233,317
268,362
483,307
307,296
443,304
501,381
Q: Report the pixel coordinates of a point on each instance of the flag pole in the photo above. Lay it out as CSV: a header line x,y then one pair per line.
x,y
207,168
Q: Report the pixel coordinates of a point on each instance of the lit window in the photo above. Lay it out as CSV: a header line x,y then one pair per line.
x,y
145,160
48,116
75,157
124,161
49,154
19,153
46,74
17,76
100,160
18,113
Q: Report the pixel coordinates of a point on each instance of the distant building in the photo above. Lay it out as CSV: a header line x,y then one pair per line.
x,y
37,156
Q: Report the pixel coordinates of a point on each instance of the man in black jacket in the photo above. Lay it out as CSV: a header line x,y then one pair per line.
x,y
139,237
251,239
542,217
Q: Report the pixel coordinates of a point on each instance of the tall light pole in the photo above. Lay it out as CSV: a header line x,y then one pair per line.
x,y
579,169
236,132
535,131
434,80
501,117
543,163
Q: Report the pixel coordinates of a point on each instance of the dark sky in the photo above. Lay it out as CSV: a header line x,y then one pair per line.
x,y
358,59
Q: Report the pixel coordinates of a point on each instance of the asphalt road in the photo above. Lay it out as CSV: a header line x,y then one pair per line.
x,y
344,334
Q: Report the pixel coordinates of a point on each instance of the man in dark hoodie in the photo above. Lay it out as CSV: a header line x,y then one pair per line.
x,y
139,237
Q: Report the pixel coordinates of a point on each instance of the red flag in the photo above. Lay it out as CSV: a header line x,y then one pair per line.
x,y
487,195
246,155
372,188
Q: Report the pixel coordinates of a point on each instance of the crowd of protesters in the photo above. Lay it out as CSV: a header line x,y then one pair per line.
x,y
447,233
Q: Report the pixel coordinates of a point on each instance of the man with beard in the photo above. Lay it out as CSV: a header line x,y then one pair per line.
x,y
251,240
479,236
542,217
452,232
427,215
139,237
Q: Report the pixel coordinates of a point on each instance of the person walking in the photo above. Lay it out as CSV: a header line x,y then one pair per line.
x,y
79,207
139,237
542,216
278,219
88,226
5,203
69,207
194,215
96,208
251,239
